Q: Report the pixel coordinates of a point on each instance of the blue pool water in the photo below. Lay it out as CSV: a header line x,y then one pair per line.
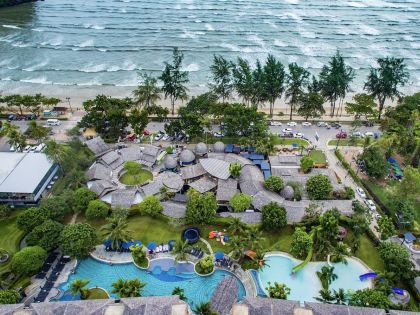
x,y
304,285
161,280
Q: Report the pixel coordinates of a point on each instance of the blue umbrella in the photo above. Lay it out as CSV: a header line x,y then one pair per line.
x,y
151,246
171,244
125,245
219,255
107,243
136,243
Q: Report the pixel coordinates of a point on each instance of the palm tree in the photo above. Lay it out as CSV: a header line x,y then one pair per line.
x,y
259,258
238,244
254,238
341,251
274,79
325,296
117,231
147,93
297,80
340,297
16,138
180,292
181,250
236,226
383,82
327,276
243,80
78,286
128,288
174,79
56,153
204,309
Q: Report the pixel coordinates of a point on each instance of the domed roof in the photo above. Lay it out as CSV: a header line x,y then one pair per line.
x,y
169,162
287,192
200,148
186,156
219,147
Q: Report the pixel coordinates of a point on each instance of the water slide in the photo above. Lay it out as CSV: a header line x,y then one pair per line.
x,y
368,275
308,257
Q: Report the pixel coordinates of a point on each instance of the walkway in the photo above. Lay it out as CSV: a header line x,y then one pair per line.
x,y
208,245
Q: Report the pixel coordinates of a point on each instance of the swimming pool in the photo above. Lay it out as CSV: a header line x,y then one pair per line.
x,y
304,285
163,277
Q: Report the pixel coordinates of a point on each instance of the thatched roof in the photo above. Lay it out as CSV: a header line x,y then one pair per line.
x,y
98,171
102,187
152,188
112,159
216,168
287,192
246,217
97,146
186,156
123,198
149,149
225,295
264,197
219,147
204,184
201,148
226,189
171,180
174,209
266,306
333,309
192,171
130,154
285,160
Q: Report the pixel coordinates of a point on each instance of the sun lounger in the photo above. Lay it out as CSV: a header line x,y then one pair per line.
x,y
165,248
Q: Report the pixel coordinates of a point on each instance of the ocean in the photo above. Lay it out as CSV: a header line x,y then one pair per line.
x,y
57,46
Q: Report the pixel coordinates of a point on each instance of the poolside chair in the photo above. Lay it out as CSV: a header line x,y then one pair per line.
x,y
165,248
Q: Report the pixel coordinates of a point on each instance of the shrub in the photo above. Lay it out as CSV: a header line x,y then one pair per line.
x,y
139,256
9,297
150,206
205,265
346,194
306,163
274,216
274,183
5,211
235,169
319,187
301,243
46,235
97,209
201,208
240,202
278,291
82,197
31,218
78,240
55,207
28,260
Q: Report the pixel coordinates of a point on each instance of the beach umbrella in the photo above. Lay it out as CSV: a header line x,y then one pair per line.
x,y
219,255
107,243
151,246
171,243
137,243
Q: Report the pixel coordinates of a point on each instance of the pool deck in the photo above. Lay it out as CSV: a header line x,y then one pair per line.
x,y
110,257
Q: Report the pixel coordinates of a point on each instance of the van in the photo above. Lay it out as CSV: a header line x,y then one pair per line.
x,y
53,122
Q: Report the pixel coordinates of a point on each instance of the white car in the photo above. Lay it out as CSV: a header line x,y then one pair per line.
x,y
369,134
357,134
321,124
275,123
298,135
360,192
165,137
159,136
369,203
287,130
291,123
218,135
306,124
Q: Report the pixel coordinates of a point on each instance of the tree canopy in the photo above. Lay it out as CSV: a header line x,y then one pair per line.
x,y
240,202
274,183
46,235
28,260
201,208
150,206
274,216
376,165
397,260
78,240
301,243
97,209
319,187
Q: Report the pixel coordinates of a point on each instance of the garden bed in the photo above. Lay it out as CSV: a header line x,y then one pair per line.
x,y
138,179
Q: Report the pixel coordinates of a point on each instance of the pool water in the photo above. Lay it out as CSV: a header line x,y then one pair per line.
x,y
163,277
305,285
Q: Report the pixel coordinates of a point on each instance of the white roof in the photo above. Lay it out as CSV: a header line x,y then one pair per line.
x,y
22,172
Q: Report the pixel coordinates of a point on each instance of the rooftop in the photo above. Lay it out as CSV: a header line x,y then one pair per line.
x,y
97,146
216,168
22,172
204,184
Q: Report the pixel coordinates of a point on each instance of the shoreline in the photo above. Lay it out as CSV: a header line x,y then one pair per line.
x,y
79,94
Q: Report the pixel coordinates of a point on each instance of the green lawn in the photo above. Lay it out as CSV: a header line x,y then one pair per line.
x,y
290,141
10,236
369,254
318,157
239,140
97,294
140,178
346,142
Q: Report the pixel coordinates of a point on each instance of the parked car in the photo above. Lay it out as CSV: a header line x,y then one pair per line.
x,y
328,126
369,134
26,149
291,123
357,134
368,123
287,130
218,134
165,137
298,135
146,132
306,124
275,123
361,192
341,135
11,117
180,137
159,136
321,124
336,125
370,204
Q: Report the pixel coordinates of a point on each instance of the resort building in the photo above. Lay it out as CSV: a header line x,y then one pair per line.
x,y
172,305
24,177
